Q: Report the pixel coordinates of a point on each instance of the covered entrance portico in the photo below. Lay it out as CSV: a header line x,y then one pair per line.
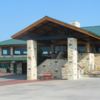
x,y
52,33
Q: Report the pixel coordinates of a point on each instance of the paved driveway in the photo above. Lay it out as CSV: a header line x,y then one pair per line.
x,y
88,89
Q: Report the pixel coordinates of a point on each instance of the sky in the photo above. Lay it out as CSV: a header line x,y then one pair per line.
x,y
15,15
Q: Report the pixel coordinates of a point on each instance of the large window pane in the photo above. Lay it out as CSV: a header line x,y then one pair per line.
x,y
5,51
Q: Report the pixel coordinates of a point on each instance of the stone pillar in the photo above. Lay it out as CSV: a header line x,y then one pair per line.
x,y
72,72
11,51
91,64
91,58
19,68
12,67
31,60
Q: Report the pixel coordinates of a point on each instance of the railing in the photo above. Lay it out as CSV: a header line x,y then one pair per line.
x,y
13,56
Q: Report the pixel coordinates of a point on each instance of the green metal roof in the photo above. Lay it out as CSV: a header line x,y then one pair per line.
x,y
12,42
13,59
93,29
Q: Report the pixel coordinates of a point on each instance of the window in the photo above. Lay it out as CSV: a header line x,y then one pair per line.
x,y
97,49
60,49
45,50
5,51
4,65
81,49
17,52
20,51
25,52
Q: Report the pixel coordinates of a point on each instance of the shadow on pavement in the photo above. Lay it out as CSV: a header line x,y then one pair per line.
x,y
9,76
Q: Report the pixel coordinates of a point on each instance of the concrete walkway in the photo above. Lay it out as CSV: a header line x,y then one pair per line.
x,y
88,89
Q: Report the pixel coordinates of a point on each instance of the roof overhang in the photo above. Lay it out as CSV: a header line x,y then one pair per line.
x,y
48,19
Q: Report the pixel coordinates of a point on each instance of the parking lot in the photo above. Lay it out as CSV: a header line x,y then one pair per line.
x,y
87,89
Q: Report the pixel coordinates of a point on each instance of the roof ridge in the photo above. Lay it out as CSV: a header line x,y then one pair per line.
x,y
12,39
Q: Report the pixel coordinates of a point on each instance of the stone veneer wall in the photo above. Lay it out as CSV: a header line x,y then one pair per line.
x,y
83,61
97,61
53,66
58,66
64,71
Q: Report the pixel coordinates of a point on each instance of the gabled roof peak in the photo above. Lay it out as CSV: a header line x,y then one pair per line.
x,y
46,19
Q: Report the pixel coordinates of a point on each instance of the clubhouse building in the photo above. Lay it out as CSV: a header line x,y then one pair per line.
x,y
53,48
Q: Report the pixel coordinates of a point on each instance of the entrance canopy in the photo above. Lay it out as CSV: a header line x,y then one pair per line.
x,y
51,29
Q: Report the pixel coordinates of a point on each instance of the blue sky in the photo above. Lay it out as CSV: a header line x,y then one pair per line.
x,y
17,14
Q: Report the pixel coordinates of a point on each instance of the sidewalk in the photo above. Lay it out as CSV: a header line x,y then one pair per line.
x,y
9,79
